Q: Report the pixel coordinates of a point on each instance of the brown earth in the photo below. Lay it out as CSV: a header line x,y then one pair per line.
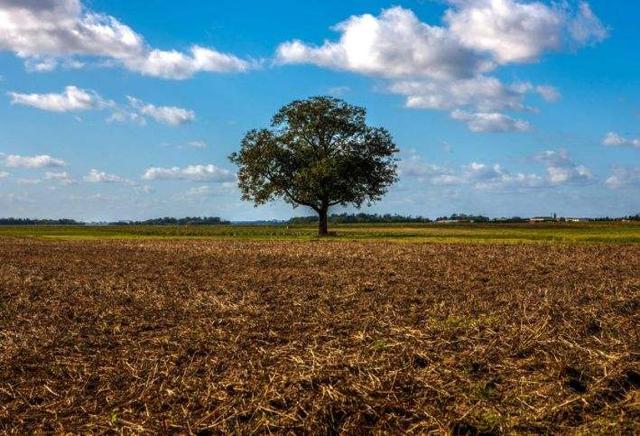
x,y
318,337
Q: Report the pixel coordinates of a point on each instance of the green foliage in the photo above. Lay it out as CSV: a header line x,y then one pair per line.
x,y
318,153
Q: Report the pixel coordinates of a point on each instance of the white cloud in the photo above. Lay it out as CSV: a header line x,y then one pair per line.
x,y
623,177
44,31
481,93
413,165
585,27
561,169
490,122
63,177
494,177
208,190
199,191
177,65
31,162
569,174
171,115
72,99
199,173
516,31
479,176
615,140
553,157
476,35
123,115
549,93
393,44
4,174
445,67
96,176
41,65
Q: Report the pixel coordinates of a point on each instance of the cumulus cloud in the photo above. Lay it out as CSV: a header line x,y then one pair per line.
x,y
514,31
549,93
199,191
478,175
615,140
198,173
477,35
559,170
171,115
33,162
72,99
208,190
490,122
63,178
585,27
42,32
177,65
96,176
553,157
124,115
394,44
445,67
494,176
569,174
623,177
4,174
481,93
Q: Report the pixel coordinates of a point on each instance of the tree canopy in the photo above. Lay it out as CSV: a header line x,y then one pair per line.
x,y
318,153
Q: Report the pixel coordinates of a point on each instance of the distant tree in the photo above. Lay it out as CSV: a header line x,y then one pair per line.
x,y
318,153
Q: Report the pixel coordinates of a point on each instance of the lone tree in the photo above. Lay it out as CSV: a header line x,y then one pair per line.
x,y
318,153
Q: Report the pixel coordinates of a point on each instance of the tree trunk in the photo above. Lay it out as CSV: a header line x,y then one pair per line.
x,y
323,222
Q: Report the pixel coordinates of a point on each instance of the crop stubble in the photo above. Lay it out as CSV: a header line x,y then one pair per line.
x,y
207,336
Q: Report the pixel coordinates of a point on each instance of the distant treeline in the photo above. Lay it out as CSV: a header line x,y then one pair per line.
x,y
38,222
361,218
166,221
516,219
346,218
343,218
152,222
635,217
461,217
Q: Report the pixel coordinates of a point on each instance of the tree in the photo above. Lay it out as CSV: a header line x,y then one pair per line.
x,y
318,153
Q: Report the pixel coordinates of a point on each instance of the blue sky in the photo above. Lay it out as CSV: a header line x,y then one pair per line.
x,y
128,110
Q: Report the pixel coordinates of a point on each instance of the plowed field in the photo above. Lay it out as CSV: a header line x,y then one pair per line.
x,y
204,336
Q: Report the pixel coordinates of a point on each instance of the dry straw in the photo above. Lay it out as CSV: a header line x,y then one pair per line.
x,y
302,337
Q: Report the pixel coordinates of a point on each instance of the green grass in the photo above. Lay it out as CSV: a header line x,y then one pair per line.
x,y
441,233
